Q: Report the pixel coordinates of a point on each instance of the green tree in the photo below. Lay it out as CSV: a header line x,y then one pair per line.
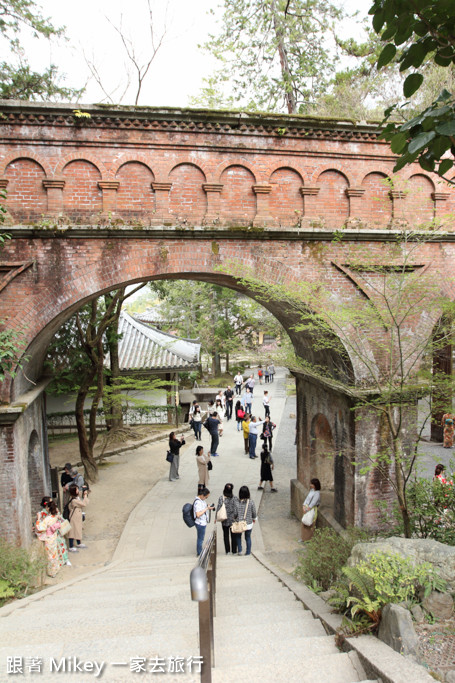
x,y
375,331
418,33
272,53
17,79
221,319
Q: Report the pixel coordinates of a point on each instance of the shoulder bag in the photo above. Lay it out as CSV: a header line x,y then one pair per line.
x,y
221,515
170,456
241,525
309,517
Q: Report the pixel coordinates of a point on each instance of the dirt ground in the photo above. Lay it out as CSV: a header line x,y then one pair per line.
x,y
126,477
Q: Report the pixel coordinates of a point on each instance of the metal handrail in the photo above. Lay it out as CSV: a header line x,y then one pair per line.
x,y
203,591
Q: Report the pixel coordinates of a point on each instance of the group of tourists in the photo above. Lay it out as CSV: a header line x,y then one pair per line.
x,y
54,528
237,515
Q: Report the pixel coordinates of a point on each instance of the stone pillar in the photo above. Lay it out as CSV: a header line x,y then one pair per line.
x,y
54,188
213,194
162,214
398,197
262,216
309,195
109,189
440,199
355,195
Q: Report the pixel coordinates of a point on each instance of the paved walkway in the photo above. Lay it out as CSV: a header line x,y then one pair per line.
x,y
155,528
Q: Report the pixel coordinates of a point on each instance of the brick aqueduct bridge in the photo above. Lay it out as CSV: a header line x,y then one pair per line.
x,y
135,194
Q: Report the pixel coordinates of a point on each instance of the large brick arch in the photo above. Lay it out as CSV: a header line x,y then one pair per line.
x,y
135,195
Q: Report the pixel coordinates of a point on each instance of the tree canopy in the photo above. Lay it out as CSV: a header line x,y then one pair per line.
x,y
274,54
416,34
17,78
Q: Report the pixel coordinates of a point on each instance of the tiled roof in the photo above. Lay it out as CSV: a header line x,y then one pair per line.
x,y
142,347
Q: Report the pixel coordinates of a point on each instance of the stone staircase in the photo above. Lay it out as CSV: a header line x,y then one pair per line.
x,y
143,610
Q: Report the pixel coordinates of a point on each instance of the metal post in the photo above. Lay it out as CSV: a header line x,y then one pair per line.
x,y
205,640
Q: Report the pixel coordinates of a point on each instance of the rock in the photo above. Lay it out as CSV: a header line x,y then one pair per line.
x,y
450,677
441,556
397,631
418,614
326,595
440,605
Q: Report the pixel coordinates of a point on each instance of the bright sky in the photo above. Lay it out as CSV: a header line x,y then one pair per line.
x,y
175,74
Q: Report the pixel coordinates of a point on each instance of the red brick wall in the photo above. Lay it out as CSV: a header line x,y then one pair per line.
x,y
135,196
27,199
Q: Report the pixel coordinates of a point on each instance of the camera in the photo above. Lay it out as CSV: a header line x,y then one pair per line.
x,y
85,489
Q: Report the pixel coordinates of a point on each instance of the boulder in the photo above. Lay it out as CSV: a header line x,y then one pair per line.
x,y
441,556
418,614
397,631
440,605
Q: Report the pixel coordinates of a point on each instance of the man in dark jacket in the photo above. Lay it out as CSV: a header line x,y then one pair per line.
x,y
229,395
211,424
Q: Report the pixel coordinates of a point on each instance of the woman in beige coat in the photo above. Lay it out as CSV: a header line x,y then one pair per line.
x,y
203,461
75,506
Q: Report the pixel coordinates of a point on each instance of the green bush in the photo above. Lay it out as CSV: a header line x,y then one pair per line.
x,y
432,510
20,572
325,555
384,578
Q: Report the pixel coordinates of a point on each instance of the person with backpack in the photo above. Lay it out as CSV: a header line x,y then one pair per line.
x,y
448,425
201,512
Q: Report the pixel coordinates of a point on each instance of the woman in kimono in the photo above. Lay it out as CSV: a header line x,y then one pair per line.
x,y
47,525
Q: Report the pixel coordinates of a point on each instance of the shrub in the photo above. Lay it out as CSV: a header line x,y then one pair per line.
x,y
325,555
20,572
432,510
385,578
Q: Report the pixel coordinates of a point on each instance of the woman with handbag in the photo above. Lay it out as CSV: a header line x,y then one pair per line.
x,y
266,469
174,451
204,465
310,510
227,511
247,517
75,507
47,528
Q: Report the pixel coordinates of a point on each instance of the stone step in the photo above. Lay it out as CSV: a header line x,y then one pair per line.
x,y
275,648
336,668
286,625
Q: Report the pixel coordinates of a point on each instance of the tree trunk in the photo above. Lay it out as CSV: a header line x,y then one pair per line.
x,y
216,363
93,434
227,362
85,450
113,402
285,70
401,492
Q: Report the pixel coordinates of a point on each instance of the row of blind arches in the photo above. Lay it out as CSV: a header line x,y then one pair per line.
x,y
82,197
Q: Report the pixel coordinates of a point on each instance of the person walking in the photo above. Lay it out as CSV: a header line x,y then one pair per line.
x,y
196,418
266,403
253,436
201,513
267,466
239,415
266,375
174,447
260,374
246,433
249,384
247,401
238,381
231,504
229,397
271,372
267,432
212,424
75,507
247,511
203,465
